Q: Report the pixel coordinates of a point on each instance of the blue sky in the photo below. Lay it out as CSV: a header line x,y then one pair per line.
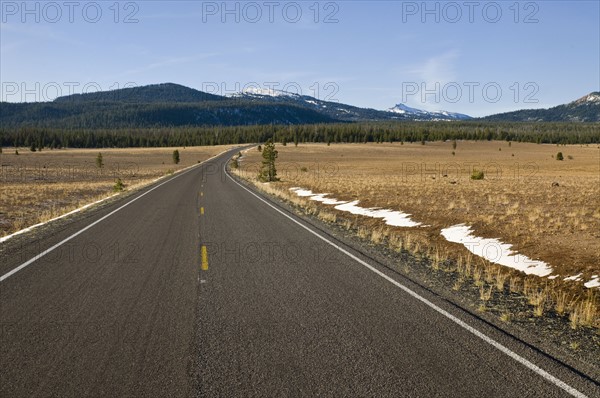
x,y
477,57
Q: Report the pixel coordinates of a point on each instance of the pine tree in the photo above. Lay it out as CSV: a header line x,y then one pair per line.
x,y
119,186
99,161
268,172
176,156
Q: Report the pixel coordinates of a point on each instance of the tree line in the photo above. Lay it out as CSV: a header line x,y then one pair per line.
x,y
546,133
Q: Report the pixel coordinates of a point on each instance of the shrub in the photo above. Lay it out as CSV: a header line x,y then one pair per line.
x,y
559,156
119,186
176,156
477,175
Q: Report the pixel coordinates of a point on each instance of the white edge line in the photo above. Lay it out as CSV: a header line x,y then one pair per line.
x,y
528,364
62,242
32,227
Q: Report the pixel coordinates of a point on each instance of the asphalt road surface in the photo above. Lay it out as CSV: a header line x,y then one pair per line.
x,y
200,288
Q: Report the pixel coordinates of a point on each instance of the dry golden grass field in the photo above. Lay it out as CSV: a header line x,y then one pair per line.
x,y
545,208
38,186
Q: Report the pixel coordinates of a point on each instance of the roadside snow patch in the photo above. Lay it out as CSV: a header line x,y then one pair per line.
x,y
594,282
495,251
302,192
327,201
391,217
573,278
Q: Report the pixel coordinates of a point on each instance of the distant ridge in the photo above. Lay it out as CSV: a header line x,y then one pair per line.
x,y
345,112
154,93
584,109
432,115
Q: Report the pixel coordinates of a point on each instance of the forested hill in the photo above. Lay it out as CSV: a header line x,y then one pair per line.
x,y
170,105
161,105
585,109
155,93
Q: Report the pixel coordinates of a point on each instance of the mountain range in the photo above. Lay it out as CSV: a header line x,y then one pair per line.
x,y
169,104
343,112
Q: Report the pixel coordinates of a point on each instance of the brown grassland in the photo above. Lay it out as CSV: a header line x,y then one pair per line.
x,y
38,186
546,208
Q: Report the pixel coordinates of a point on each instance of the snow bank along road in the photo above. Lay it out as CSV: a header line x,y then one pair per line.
x,y
196,286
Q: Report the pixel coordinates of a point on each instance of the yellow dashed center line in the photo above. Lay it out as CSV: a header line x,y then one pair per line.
x,y
204,252
204,265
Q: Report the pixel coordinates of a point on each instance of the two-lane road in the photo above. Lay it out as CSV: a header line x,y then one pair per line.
x,y
129,307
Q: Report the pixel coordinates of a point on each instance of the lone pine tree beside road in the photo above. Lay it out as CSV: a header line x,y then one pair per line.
x,y
268,172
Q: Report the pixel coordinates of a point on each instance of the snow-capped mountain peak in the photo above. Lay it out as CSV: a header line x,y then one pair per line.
x,y
403,109
265,92
591,98
434,115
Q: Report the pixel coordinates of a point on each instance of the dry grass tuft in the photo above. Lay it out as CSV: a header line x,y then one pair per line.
x,y
586,312
506,317
485,294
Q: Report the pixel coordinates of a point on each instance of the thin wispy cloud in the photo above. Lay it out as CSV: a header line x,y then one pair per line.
x,y
168,62
436,69
29,34
429,75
